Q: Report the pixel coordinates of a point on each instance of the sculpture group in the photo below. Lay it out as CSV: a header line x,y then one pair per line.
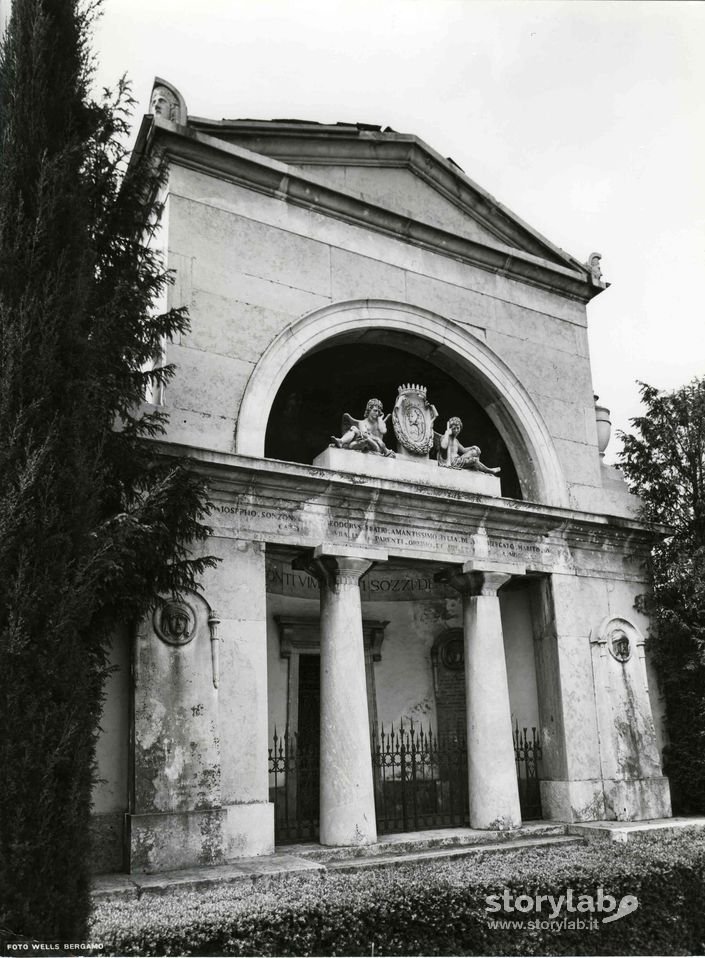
x,y
412,420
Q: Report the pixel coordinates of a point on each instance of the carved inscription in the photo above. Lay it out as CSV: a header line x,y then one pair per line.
x,y
309,523
379,584
285,523
524,551
247,515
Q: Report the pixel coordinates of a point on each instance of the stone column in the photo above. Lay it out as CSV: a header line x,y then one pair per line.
x,y
347,805
492,777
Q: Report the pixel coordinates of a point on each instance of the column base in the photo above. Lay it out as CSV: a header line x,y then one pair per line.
x,y
348,827
213,836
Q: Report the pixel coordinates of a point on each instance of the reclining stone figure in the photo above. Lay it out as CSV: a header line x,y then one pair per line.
x,y
452,455
365,435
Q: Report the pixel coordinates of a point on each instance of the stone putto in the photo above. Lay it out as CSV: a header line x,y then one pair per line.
x,y
452,455
365,435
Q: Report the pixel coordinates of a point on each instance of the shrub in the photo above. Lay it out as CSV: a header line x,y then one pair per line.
x,y
437,908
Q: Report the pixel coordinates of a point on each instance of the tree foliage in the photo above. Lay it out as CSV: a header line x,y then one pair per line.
x,y
664,463
93,521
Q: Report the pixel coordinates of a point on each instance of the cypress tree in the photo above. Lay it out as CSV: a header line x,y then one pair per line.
x,y
93,521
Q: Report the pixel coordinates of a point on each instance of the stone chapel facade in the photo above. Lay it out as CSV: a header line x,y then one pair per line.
x,y
372,610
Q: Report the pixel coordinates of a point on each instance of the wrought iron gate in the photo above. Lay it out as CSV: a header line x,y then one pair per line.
x,y
420,780
293,788
527,755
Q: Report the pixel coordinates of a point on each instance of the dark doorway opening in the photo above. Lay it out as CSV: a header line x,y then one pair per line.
x,y
309,735
294,762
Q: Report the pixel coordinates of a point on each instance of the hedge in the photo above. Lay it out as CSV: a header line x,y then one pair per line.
x,y
437,908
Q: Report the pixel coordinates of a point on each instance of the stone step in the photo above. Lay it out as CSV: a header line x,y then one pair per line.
x,y
429,839
392,860
627,831
283,864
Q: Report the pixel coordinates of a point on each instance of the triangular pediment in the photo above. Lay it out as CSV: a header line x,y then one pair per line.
x,y
395,171
403,191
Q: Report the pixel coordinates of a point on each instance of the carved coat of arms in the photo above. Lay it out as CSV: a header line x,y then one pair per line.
x,y
413,417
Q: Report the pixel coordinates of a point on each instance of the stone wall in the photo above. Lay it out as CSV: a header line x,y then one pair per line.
x,y
248,265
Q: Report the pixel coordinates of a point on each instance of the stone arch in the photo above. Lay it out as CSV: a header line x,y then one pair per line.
x,y
445,343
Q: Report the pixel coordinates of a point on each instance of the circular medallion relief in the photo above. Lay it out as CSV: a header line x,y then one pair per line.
x,y
620,637
619,645
453,654
175,622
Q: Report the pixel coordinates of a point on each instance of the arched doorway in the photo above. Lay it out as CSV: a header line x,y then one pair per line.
x,y
449,347
342,377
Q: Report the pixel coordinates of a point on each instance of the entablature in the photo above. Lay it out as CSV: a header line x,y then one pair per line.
x,y
296,505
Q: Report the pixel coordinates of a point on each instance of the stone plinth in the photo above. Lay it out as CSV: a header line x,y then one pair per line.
x,y
424,471
211,836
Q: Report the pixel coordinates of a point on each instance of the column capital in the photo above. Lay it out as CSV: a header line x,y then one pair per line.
x,y
340,572
338,567
337,551
477,577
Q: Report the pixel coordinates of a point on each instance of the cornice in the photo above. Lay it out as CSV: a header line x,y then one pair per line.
x,y
231,475
343,144
205,154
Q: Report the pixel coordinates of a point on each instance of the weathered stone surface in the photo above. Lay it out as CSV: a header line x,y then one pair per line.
x,y
248,830
164,842
211,836
242,710
427,472
239,242
190,428
634,799
573,801
622,832
217,324
577,603
402,190
224,197
358,277
176,744
206,383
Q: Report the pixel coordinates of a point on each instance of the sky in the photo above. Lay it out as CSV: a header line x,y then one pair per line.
x,y
587,119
